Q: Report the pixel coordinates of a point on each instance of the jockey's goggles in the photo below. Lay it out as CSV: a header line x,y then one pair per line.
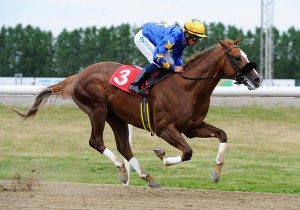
x,y
195,38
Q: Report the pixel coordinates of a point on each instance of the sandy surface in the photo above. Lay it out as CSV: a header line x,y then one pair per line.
x,y
53,195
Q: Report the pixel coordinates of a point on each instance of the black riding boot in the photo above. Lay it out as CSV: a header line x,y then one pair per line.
x,y
139,80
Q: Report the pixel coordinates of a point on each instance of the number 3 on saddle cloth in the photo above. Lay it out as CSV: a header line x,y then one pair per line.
x,y
126,74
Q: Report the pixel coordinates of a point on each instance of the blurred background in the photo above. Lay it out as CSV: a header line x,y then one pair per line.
x,y
42,42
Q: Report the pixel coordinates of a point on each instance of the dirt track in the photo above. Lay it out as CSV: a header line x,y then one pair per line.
x,y
53,195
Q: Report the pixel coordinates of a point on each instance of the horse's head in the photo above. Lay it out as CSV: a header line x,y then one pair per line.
x,y
237,65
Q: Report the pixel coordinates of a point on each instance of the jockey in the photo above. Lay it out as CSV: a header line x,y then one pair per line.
x,y
155,40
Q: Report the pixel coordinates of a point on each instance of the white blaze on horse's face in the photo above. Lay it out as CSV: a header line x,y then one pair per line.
x,y
252,81
246,57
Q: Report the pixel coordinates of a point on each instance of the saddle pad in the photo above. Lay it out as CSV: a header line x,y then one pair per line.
x,y
124,76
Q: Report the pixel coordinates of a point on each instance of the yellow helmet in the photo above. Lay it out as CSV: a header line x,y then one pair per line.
x,y
195,27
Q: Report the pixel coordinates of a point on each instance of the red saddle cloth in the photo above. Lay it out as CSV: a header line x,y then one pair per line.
x,y
124,76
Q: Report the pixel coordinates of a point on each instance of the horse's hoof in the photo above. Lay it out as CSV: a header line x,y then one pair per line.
x,y
159,152
123,178
152,182
154,185
215,176
122,174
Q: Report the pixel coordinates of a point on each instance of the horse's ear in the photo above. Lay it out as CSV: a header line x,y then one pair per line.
x,y
237,41
222,43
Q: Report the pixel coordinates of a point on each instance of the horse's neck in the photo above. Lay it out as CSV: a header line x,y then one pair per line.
x,y
207,65
210,67
201,90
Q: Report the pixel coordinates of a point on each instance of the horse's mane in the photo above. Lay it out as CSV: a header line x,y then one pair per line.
x,y
198,56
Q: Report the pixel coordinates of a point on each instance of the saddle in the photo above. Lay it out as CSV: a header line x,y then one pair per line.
x,y
126,74
156,77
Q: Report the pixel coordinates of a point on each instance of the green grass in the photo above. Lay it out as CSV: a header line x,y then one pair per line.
x,y
262,153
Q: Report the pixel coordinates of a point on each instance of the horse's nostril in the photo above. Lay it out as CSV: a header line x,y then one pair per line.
x,y
257,80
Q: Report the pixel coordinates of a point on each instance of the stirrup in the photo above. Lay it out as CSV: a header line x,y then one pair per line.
x,y
134,88
137,91
142,93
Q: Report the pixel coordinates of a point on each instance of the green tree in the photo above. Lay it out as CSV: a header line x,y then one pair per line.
x,y
12,50
67,53
233,33
124,44
105,41
25,50
36,53
4,65
90,47
287,61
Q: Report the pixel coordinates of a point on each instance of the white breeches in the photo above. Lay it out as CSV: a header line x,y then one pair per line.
x,y
147,48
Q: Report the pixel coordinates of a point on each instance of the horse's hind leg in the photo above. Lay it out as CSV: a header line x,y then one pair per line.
x,y
120,129
97,118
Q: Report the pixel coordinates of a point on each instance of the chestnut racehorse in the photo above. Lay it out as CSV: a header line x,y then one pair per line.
x,y
177,105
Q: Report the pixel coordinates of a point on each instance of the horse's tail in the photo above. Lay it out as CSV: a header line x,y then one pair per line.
x,y
61,89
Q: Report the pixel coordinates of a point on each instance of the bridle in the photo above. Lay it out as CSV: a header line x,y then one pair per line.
x,y
240,72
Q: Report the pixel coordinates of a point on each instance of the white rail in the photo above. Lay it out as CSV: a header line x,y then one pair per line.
x,y
219,91
262,91
20,89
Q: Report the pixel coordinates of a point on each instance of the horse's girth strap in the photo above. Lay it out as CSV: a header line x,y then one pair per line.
x,y
145,115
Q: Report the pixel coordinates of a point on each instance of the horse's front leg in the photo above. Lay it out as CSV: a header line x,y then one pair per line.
x,y
206,131
171,135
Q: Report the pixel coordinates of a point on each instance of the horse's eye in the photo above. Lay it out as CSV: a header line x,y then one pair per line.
x,y
237,58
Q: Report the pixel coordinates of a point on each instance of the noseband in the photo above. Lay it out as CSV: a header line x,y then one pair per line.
x,y
240,72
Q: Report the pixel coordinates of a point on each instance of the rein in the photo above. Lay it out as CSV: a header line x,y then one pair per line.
x,y
240,72
197,78
220,77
